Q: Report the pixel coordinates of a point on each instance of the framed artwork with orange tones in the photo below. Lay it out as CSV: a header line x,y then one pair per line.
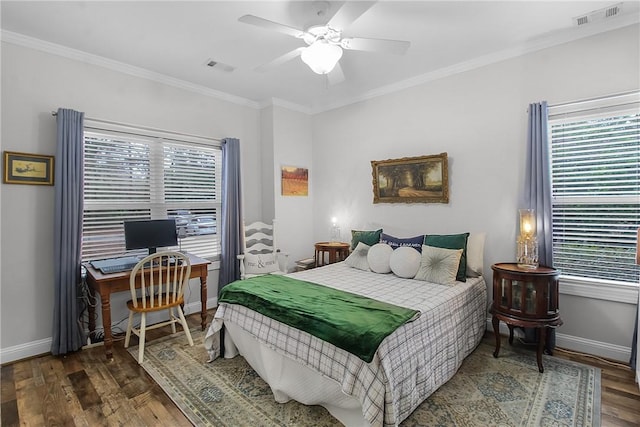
x,y
295,181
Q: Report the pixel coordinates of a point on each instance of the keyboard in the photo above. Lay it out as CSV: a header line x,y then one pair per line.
x,y
115,265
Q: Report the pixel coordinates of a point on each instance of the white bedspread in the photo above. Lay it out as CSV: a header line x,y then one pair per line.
x,y
410,364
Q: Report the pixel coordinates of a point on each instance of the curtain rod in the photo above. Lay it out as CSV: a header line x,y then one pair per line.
x,y
109,122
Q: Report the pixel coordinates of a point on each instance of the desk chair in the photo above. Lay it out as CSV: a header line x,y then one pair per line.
x,y
260,254
161,279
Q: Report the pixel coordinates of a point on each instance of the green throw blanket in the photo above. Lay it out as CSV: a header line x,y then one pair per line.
x,y
351,322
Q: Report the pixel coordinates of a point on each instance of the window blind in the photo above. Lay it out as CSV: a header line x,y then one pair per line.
x,y
595,174
132,177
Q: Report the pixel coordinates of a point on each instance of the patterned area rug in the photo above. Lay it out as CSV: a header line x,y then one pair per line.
x,y
507,391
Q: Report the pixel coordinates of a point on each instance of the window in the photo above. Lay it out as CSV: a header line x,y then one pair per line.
x,y
595,174
132,177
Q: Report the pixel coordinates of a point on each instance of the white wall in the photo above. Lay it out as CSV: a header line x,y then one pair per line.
x,y
34,84
479,118
292,147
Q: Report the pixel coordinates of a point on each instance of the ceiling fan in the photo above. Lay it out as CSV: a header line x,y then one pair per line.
x,y
326,42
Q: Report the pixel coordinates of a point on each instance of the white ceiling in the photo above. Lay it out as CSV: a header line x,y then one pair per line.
x,y
172,40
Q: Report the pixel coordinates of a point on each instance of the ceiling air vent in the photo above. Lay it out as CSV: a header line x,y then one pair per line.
x,y
582,20
598,15
219,66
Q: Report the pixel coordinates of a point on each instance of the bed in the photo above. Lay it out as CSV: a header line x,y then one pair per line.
x,y
408,366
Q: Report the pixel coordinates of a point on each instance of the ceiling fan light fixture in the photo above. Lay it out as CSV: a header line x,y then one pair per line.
x,y
321,56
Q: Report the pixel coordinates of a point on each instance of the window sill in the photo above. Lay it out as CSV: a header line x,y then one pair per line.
x,y
599,289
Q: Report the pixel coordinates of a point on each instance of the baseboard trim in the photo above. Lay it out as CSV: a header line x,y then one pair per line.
x,y
43,346
26,350
583,345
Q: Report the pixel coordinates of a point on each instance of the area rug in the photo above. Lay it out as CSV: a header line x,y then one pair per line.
x,y
507,391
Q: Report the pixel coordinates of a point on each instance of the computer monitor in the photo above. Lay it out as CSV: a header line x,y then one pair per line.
x,y
150,234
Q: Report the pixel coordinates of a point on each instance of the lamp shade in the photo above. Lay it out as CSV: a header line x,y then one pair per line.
x,y
527,253
527,222
321,56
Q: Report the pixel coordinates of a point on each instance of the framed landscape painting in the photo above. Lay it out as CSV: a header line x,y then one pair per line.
x,y
295,181
423,179
23,168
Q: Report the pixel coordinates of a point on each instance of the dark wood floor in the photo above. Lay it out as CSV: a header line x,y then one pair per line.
x,y
84,389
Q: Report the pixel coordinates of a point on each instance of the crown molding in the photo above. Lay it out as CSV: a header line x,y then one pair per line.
x,y
566,36
81,56
277,102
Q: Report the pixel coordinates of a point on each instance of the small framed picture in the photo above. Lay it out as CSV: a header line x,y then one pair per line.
x,y
23,168
295,181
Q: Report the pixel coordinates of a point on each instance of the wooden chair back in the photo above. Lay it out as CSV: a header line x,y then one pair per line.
x,y
259,238
159,280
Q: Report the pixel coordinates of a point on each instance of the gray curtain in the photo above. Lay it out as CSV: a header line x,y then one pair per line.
x,y
68,335
231,218
537,195
537,186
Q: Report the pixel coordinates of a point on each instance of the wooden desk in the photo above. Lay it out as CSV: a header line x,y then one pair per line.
x,y
106,284
337,252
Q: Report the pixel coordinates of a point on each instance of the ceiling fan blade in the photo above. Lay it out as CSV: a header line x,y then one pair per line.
x,y
349,12
336,75
398,47
280,60
270,25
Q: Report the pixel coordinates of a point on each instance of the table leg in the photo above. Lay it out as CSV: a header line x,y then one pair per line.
x,y
541,341
496,332
203,300
105,298
92,313
510,334
332,255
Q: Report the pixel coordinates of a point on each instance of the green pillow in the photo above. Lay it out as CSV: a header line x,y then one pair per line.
x,y
369,238
451,241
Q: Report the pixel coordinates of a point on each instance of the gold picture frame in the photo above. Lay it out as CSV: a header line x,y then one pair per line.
x,y
423,179
24,168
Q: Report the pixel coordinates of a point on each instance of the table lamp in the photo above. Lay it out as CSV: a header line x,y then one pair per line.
x,y
527,252
335,231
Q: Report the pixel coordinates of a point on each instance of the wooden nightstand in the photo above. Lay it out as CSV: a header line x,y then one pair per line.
x,y
525,297
337,252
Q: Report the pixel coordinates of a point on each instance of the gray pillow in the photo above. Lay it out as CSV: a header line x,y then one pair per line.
x,y
439,265
358,258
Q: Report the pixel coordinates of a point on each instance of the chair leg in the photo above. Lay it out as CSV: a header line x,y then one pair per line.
x,y
129,326
143,331
185,326
172,317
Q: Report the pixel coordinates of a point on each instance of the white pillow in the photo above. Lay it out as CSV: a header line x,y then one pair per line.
x,y
358,258
439,265
475,254
405,262
378,257
260,263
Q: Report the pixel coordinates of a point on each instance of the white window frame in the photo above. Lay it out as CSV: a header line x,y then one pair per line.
x,y
610,106
205,244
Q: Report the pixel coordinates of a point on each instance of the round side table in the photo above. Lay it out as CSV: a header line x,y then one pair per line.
x,y
337,251
525,298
